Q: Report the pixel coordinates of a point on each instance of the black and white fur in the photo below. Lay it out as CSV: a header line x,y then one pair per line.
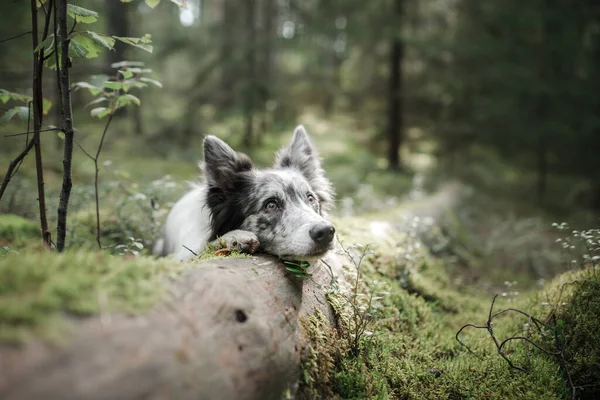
x,y
281,211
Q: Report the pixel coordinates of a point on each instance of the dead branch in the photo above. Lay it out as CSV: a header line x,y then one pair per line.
x,y
500,346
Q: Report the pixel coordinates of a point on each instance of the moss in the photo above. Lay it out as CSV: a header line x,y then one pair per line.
x,y
323,349
413,353
35,288
578,326
13,227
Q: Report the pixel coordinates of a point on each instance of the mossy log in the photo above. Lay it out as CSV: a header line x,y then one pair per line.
x,y
230,330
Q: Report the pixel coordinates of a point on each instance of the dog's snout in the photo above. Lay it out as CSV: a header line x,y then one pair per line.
x,y
322,233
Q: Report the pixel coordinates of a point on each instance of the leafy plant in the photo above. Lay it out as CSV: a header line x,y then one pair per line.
x,y
133,246
298,268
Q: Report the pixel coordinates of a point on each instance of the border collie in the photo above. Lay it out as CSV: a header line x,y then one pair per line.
x,y
280,211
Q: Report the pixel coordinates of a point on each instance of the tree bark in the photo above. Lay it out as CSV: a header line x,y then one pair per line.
x,y
38,112
117,20
395,111
228,70
250,84
230,330
67,125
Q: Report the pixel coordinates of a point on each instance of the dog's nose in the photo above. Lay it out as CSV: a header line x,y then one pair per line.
x,y
322,233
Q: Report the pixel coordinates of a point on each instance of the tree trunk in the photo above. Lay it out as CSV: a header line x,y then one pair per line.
x,y
232,329
395,110
250,84
117,21
266,69
67,124
542,168
228,70
38,112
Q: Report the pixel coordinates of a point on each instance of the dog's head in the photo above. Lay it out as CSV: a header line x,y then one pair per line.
x,y
284,206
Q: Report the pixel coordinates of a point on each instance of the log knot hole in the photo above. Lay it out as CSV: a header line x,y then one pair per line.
x,y
240,316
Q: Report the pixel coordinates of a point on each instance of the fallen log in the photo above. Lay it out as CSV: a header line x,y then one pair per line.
x,y
231,329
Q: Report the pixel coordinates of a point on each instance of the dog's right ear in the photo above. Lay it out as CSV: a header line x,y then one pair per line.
x,y
222,163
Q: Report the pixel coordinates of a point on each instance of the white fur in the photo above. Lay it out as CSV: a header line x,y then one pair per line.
x,y
188,224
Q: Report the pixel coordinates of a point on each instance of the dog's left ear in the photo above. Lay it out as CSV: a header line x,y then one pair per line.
x,y
302,155
222,163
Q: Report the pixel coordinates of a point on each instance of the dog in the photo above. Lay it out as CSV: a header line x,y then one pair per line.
x,y
281,211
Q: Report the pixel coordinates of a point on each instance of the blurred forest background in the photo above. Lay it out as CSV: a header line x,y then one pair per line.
x,y
398,94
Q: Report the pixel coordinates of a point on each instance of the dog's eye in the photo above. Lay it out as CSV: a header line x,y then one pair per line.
x,y
271,205
311,199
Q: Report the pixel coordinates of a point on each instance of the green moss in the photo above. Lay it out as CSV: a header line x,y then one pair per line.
x,y
35,288
578,326
323,349
412,352
13,227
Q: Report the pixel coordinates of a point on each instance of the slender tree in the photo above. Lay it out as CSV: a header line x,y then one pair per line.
x,y
395,101
250,82
64,84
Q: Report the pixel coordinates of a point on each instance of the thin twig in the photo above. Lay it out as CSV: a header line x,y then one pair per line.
x,y
12,165
28,132
91,157
188,249
15,37
97,172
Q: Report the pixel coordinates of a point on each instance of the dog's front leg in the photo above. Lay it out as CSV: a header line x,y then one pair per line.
x,y
242,241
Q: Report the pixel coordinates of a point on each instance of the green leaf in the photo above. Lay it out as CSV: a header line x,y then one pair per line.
x,y
96,101
61,135
141,43
94,90
140,70
46,106
133,84
101,40
113,85
128,99
126,73
100,112
152,3
77,49
89,45
46,43
294,270
8,115
122,64
6,95
152,81
25,113
81,14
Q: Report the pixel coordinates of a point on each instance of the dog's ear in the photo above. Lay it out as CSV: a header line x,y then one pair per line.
x,y
302,155
222,163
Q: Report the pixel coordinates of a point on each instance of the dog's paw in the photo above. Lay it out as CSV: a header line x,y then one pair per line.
x,y
242,241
